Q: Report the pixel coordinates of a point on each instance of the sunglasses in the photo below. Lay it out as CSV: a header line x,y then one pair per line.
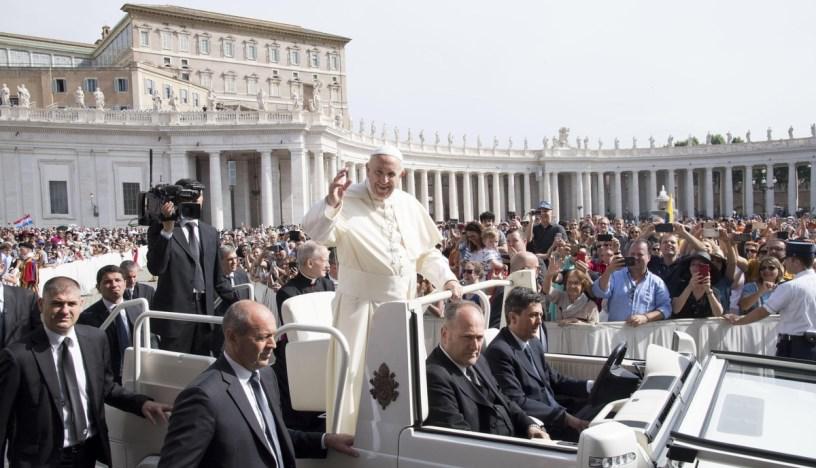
x,y
751,250
768,268
467,272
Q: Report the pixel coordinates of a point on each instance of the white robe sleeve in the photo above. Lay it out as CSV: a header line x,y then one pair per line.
x,y
435,268
322,222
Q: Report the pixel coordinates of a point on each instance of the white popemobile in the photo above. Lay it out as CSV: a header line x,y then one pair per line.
x,y
730,410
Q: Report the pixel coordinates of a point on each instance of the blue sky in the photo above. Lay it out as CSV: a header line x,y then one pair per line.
x,y
525,68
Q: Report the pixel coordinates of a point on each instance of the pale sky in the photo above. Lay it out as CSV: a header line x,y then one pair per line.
x,y
525,68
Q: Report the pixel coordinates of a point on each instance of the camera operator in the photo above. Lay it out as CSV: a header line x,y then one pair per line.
x,y
183,254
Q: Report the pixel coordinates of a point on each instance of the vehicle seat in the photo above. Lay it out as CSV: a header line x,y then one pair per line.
x,y
307,381
134,441
489,334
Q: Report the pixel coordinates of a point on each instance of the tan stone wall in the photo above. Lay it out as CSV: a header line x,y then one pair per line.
x,y
39,83
238,64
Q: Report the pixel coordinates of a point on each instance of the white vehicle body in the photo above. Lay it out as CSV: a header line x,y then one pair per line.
x,y
660,424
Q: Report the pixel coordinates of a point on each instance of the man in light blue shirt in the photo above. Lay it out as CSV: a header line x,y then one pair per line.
x,y
633,294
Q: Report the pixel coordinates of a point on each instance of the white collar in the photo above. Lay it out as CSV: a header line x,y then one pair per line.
x,y
461,368
55,339
108,304
241,372
521,342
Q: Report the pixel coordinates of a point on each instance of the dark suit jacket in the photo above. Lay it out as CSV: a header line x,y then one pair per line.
x,y
455,402
217,338
94,316
145,291
213,425
20,314
301,285
30,413
518,380
173,263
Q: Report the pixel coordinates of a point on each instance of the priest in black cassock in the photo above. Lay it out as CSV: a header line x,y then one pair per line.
x,y
313,268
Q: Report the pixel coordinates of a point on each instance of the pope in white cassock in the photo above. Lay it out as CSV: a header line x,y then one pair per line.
x,y
384,237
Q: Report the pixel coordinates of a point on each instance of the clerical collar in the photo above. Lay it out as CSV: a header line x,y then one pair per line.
x,y
311,280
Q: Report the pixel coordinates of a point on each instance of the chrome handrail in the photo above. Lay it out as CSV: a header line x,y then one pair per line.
x,y
139,301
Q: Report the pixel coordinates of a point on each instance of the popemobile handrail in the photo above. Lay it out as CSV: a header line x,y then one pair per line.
x,y
139,302
521,278
143,323
237,288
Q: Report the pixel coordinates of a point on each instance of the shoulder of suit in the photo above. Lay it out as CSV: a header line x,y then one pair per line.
x,y
89,331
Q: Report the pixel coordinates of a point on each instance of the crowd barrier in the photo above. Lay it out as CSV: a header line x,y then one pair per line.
x,y
84,271
709,334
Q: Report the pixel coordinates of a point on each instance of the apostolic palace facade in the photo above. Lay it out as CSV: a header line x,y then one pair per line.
x,y
257,110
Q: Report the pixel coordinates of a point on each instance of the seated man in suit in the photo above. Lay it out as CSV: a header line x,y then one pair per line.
x,y
229,416
516,359
110,282
235,276
62,363
134,289
462,393
19,314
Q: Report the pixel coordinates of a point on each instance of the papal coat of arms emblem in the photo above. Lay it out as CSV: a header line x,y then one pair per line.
x,y
384,386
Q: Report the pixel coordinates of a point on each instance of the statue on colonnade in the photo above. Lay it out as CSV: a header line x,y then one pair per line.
x,y
261,97
79,97
211,99
24,96
813,129
5,96
409,136
670,141
617,143
373,130
99,99
174,102
600,144
544,142
634,142
790,132
769,134
563,136
651,141
586,143
526,145
362,126
157,100
396,135
729,138
422,138
748,136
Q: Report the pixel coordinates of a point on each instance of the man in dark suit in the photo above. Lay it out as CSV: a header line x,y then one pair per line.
x,y
516,359
462,393
235,276
134,289
229,416
313,266
55,383
183,253
110,282
18,312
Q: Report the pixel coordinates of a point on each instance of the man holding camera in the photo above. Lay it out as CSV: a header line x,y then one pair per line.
x,y
633,293
183,254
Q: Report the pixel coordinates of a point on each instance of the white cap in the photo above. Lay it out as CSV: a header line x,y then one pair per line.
x,y
388,150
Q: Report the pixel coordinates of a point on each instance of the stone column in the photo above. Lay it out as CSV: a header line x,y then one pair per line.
x,y
587,193
497,195
617,194
601,209
707,190
769,192
812,185
216,200
361,173
423,188
318,178
409,177
179,166
635,194
729,191
481,185
546,194
578,191
652,192
511,195
793,189
748,190
467,195
267,198
689,193
453,197
300,183
556,202
527,188
439,207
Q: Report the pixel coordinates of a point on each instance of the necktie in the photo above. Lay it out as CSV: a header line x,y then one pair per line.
x,y
122,335
269,420
473,377
128,295
71,392
529,355
195,249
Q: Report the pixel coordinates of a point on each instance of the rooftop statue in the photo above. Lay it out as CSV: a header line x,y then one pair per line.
x,y
790,132
79,97
748,136
373,129
261,97
670,141
563,136
634,142
157,100
422,137
600,144
211,99
99,99
769,133
586,142
362,126
617,143
5,96
813,129
24,96
651,141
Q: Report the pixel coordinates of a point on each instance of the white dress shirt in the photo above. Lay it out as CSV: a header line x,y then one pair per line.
x,y
243,374
82,382
122,313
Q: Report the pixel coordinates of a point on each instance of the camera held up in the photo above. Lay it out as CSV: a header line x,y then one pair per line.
x,y
184,194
